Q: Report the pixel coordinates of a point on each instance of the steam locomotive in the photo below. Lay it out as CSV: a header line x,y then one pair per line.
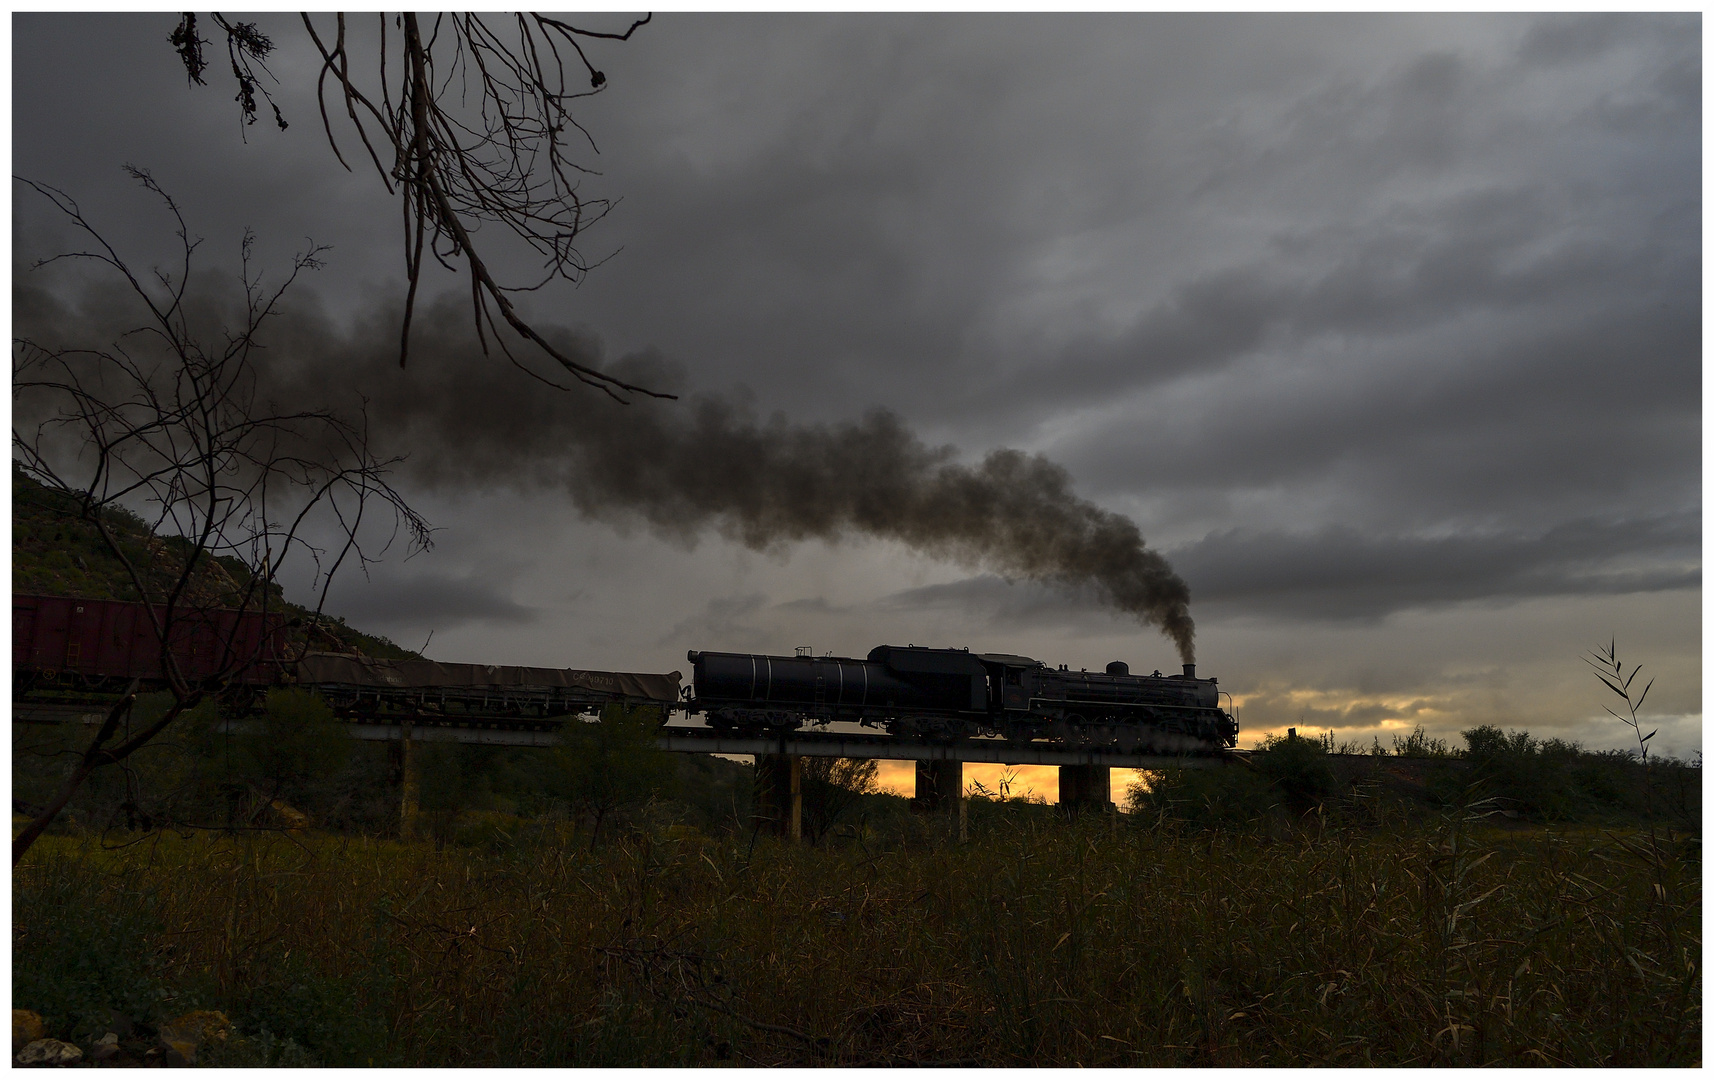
x,y
918,692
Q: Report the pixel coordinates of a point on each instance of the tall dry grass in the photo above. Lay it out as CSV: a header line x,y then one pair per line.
x,y
1037,943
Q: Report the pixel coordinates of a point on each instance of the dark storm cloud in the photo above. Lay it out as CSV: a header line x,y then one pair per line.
x,y
815,605
1568,39
93,91
1276,709
460,419
995,600
1434,279
431,600
1418,193
726,619
1478,255
1441,427
1341,573
839,209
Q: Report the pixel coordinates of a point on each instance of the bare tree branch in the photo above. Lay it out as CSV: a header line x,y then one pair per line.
x,y
167,421
468,123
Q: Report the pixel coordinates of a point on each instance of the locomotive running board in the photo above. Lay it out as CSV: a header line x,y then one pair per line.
x,y
996,751
687,740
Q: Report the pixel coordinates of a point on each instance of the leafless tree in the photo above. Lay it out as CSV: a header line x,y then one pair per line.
x,y
167,422
467,120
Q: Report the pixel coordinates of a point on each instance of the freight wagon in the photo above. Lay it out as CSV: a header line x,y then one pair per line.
x,y
70,651
74,644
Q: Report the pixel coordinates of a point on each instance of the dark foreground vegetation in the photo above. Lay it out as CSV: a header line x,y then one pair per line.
x,y
1301,912
1512,776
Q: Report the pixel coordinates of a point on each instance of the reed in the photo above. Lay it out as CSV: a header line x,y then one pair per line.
x,y
1037,943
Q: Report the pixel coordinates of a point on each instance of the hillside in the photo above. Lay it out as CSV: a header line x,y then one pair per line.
x,y
56,553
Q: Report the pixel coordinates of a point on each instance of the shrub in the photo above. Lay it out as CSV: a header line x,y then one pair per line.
x,y
612,764
320,1013
1287,775
1489,743
1558,780
1298,770
261,1050
1230,795
1418,745
293,742
832,787
83,946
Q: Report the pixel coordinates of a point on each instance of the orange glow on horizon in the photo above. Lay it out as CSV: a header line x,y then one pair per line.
x,y
900,778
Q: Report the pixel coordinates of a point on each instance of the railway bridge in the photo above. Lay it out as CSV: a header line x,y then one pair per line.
x,y
1084,772
72,657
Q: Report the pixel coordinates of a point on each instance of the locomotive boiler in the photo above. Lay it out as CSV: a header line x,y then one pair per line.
x,y
911,691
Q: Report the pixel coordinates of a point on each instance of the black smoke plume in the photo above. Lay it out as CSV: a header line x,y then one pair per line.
x,y
700,463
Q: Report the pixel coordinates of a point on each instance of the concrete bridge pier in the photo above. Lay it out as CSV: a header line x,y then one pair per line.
x,y
1085,787
940,784
777,804
940,790
405,768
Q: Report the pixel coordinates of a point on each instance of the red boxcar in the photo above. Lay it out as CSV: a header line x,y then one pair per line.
x,y
58,636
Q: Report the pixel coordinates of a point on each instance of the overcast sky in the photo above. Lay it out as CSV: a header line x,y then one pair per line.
x,y
1384,330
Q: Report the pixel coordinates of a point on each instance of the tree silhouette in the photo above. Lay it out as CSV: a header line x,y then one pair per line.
x,y
467,121
167,421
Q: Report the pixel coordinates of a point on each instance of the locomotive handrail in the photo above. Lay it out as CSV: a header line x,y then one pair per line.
x,y
1109,703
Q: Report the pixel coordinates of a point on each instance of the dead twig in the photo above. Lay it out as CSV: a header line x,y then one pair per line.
x,y
466,119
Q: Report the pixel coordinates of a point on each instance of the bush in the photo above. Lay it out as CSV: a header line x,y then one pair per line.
x,y
83,946
831,788
214,770
1489,743
1418,745
1285,775
1298,770
1229,795
319,1013
713,793
1557,780
262,1050
613,764
293,743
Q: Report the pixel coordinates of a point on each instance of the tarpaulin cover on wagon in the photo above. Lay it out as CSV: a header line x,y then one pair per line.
x,y
339,668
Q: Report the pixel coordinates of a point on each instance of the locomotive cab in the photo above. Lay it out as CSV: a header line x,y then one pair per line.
x,y
1011,681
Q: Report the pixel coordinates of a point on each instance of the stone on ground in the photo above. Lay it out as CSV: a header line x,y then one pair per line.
x,y
105,1047
49,1052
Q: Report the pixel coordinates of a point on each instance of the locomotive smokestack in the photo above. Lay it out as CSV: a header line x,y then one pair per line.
x,y
1190,671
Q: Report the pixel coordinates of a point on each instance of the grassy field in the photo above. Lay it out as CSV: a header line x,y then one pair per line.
x,y
1109,942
